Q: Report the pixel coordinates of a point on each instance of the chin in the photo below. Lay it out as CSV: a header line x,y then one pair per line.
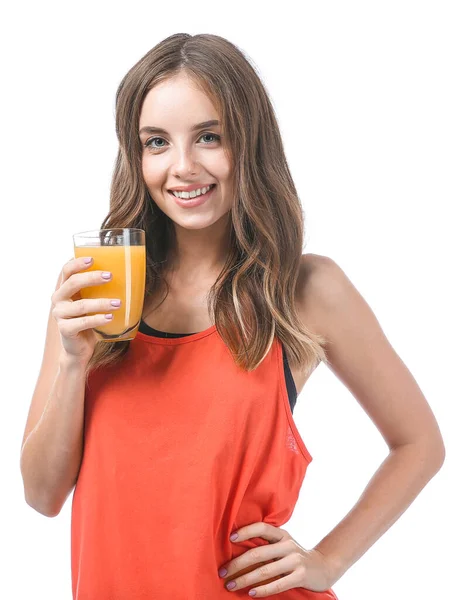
x,y
196,222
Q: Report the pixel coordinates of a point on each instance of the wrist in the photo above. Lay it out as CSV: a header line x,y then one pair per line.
x,y
335,564
72,363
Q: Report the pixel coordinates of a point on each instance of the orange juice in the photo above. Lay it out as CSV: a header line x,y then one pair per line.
x,y
127,265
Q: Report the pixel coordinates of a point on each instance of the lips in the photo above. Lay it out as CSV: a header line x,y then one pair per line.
x,y
190,202
190,188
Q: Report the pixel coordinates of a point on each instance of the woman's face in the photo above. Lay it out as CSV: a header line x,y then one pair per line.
x,y
179,152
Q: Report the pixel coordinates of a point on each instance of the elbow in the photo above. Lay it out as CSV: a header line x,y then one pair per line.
x,y
37,497
436,452
41,507
430,452
441,456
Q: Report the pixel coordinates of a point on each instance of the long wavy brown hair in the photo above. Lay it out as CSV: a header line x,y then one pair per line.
x,y
253,298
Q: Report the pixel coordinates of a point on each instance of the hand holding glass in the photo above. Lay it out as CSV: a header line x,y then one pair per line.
x,y
122,252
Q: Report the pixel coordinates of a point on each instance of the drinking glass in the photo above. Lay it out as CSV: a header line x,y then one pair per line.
x,y
121,251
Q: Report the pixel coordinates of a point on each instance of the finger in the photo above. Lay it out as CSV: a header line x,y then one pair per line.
x,y
74,265
282,584
260,529
68,269
259,555
265,574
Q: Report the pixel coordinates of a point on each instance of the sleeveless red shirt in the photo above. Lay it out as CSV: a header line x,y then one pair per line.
x,y
181,448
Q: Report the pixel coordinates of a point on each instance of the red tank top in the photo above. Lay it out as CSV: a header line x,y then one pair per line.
x,y
174,462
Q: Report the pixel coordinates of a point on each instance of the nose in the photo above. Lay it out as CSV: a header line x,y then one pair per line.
x,y
184,163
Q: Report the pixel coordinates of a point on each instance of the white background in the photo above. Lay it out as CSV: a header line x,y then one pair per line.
x,y
365,96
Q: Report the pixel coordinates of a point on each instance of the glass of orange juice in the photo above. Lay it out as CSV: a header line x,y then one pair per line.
x,y
122,252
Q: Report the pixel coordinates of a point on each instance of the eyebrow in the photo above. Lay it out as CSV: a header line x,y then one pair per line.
x,y
202,125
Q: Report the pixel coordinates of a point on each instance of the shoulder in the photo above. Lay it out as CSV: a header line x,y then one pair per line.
x,y
321,282
326,298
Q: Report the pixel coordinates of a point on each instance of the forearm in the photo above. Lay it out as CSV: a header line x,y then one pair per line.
x,y
398,480
51,455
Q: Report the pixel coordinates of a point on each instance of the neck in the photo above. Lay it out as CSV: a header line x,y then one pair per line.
x,y
199,254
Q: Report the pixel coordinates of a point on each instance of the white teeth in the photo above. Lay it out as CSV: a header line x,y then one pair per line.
x,y
194,193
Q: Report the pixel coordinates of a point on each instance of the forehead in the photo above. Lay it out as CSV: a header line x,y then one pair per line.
x,y
176,103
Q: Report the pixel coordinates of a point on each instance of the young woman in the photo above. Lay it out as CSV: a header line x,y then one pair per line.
x,y
185,435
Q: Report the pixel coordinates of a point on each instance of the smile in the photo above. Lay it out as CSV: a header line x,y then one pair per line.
x,y
189,202
194,193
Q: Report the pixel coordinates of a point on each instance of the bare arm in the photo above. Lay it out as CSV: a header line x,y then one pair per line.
x,y
363,359
51,454
52,444
392,489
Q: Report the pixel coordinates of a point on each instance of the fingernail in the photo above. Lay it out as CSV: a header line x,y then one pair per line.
x,y
88,260
222,572
231,585
252,592
234,536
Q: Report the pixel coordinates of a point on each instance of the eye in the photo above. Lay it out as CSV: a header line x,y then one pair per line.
x,y
150,143
213,135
